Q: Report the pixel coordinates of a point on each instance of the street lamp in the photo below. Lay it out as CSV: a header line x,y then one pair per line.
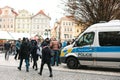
x,y
47,32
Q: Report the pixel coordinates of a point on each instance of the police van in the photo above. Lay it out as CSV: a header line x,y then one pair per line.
x,y
98,46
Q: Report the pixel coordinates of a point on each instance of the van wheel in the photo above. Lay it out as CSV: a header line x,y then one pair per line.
x,y
72,63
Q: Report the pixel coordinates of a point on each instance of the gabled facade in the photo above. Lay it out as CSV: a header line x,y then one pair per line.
x,y
7,19
23,22
41,24
67,29
67,26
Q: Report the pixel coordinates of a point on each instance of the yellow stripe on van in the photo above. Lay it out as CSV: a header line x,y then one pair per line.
x,y
69,50
62,54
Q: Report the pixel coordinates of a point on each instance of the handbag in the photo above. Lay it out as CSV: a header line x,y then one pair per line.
x,y
39,51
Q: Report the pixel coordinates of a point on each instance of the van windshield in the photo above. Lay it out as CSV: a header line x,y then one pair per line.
x,y
109,38
86,39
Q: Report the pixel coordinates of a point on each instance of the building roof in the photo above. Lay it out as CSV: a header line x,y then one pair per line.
x,y
42,13
12,10
69,18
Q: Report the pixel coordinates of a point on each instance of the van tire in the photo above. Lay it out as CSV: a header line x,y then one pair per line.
x,y
72,63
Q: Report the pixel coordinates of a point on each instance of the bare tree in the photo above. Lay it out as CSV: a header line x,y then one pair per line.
x,y
93,11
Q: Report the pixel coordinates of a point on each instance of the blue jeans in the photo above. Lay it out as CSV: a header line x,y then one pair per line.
x,y
26,61
55,58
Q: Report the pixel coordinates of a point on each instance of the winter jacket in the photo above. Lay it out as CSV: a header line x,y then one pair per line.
x,y
24,50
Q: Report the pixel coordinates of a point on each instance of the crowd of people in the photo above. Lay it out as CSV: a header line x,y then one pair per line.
x,y
27,50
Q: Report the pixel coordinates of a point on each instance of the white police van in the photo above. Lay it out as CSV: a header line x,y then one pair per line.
x,y
98,45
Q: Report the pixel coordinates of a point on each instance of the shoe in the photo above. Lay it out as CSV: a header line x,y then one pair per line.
x,y
52,65
19,68
36,69
40,73
15,58
51,75
27,70
33,67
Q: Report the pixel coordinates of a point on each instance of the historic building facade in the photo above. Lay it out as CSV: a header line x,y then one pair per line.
x,y
41,24
24,22
7,19
67,29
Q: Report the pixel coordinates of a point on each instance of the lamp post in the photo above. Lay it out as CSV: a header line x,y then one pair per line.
x,y
47,32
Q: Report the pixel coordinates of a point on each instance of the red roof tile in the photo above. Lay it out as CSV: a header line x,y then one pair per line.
x,y
42,12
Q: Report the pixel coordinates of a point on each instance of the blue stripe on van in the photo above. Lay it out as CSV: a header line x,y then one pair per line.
x,y
97,49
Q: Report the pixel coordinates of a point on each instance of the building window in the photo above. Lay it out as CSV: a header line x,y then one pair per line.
x,y
65,29
66,36
11,26
0,20
70,36
37,26
11,19
69,23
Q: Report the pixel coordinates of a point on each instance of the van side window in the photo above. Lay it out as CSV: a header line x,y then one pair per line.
x,y
86,39
109,38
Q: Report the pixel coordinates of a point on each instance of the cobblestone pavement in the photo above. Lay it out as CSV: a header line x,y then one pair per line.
x,y
9,71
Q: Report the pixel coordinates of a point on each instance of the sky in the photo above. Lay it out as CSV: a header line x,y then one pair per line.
x,y
34,6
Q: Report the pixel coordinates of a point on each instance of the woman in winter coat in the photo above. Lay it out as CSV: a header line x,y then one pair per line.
x,y
46,57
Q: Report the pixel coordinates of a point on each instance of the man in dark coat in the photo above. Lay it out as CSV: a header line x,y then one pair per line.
x,y
24,54
34,54
46,57
7,46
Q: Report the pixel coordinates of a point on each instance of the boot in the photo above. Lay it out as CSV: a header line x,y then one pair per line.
x,y
51,75
40,73
36,68
19,68
33,67
27,70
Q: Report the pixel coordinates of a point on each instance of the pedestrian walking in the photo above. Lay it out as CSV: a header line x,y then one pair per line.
x,y
17,45
24,54
7,46
55,46
34,55
46,56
